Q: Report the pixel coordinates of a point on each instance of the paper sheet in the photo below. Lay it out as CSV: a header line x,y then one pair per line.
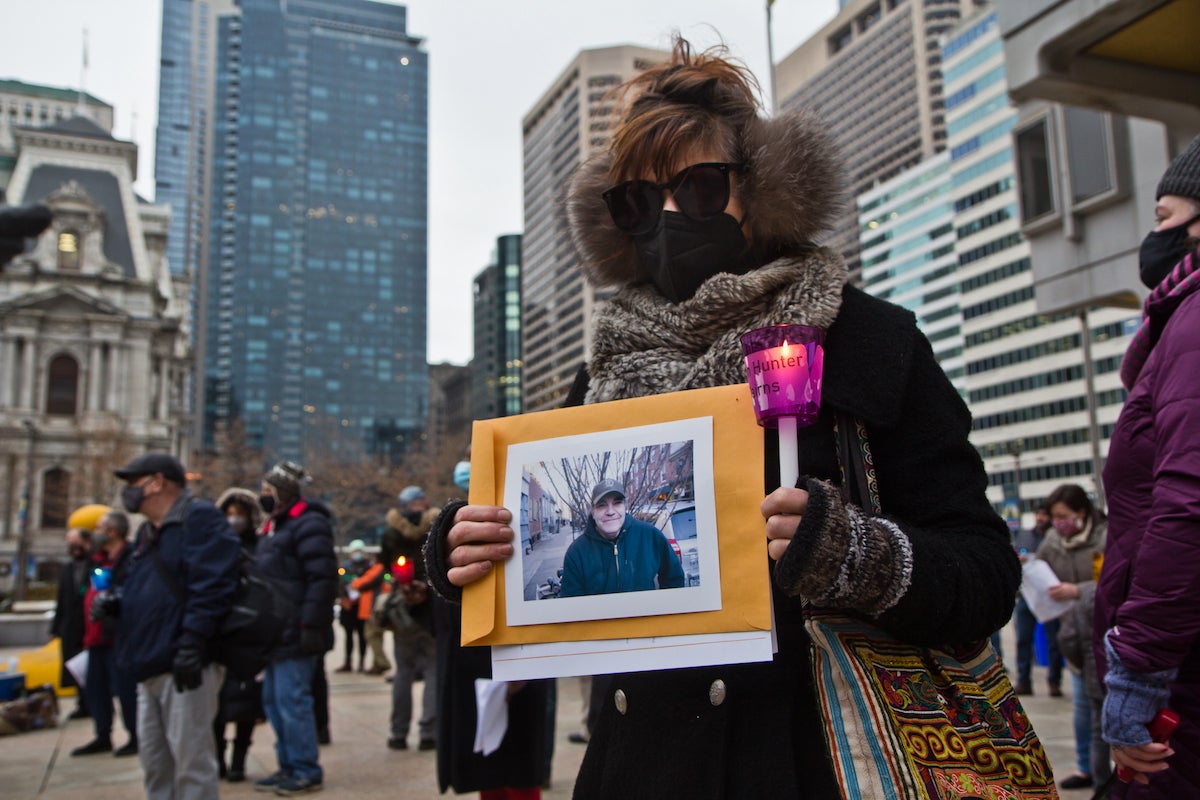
x,y
491,718
1036,579
77,666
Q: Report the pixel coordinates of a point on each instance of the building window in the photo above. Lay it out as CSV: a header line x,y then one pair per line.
x,y
1035,170
68,251
56,486
1089,153
62,386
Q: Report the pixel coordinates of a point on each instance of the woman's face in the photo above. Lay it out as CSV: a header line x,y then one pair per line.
x,y
1173,210
1066,520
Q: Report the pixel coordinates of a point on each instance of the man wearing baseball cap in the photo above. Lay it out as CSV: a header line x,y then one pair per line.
x,y
180,585
618,553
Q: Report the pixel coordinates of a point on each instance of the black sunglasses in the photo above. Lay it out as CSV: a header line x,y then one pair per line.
x,y
701,191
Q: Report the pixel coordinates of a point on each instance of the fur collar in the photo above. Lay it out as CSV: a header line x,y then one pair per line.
x,y
792,187
397,520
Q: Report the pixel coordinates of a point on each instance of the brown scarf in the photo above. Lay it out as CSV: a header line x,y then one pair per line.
x,y
642,345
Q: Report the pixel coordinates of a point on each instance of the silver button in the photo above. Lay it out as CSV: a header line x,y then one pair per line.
x,y
716,692
620,701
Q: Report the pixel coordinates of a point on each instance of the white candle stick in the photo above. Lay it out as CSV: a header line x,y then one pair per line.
x,y
789,453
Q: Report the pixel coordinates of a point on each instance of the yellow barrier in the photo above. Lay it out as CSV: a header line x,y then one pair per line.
x,y
43,666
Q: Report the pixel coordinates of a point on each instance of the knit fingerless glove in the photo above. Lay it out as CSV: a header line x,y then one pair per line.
x,y
843,558
1132,700
437,553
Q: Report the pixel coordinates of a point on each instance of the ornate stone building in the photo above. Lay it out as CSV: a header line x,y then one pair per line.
x,y
94,354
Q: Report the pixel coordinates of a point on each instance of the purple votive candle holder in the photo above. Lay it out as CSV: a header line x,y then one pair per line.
x,y
783,368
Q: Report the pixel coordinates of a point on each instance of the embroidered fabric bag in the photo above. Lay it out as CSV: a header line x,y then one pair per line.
x,y
908,722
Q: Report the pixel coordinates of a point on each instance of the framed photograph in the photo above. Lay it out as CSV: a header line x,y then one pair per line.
x,y
675,480
614,524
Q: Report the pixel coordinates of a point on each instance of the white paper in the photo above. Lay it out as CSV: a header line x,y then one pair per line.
x,y
1036,580
491,717
564,659
77,666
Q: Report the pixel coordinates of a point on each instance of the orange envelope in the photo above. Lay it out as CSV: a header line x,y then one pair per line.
x,y
741,536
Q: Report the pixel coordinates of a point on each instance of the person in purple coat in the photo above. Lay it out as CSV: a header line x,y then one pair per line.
x,y
1147,624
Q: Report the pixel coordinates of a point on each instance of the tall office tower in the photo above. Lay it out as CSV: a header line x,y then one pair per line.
x,y
307,140
874,75
906,229
182,154
496,366
570,122
1027,374
30,105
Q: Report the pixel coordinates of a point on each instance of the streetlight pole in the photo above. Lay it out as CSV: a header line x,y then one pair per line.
x,y
1089,382
23,535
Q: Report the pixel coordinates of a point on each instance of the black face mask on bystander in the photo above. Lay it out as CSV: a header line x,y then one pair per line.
x,y
1161,251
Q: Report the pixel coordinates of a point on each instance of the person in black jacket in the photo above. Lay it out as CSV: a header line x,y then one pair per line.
x,y
704,215
180,584
296,547
68,611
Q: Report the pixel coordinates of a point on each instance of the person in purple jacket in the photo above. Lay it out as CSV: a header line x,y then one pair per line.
x,y
1147,624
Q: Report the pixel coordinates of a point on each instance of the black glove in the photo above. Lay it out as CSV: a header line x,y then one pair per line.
x,y
105,605
312,643
187,668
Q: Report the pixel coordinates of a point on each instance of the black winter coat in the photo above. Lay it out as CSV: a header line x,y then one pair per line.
x,y
68,611
199,551
297,548
764,739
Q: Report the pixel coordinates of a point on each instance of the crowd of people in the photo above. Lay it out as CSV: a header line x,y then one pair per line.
x,y
703,217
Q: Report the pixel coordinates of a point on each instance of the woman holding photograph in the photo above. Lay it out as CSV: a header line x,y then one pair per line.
x,y
705,216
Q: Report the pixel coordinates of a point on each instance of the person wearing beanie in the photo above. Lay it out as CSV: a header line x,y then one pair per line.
x,y
296,548
705,214
1147,622
355,606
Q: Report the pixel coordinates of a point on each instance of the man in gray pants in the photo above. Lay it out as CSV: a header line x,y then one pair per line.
x,y
180,585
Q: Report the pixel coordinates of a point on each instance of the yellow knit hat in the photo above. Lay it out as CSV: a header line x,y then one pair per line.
x,y
87,517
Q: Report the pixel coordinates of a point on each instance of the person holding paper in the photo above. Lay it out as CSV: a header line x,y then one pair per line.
x,y
1073,548
705,216
618,553
1147,626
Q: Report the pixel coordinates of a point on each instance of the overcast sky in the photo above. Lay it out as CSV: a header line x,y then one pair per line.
x,y
489,61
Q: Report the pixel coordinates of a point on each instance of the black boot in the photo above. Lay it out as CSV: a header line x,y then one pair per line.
x,y
237,763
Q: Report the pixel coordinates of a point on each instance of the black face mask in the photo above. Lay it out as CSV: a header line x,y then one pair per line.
x,y
267,501
1161,251
132,497
679,254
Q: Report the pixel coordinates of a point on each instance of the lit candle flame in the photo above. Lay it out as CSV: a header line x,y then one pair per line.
x,y
785,347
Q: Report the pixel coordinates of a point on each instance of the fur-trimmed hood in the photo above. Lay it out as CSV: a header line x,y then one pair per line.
x,y
396,519
246,498
792,188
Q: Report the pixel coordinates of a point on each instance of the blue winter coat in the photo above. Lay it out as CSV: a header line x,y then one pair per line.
x,y
298,550
200,552
629,563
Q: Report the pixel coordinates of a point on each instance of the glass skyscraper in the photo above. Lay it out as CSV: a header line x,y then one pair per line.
x,y
312,274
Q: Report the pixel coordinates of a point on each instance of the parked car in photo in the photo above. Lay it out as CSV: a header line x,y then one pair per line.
x,y
680,530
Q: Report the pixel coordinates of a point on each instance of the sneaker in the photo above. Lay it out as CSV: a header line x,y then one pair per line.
x,y
93,747
396,743
269,783
427,744
130,748
294,785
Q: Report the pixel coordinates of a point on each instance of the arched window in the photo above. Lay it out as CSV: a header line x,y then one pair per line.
x,y
68,251
56,490
62,386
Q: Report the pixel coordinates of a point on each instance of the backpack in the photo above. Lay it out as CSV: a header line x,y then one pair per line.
x,y
391,612
255,624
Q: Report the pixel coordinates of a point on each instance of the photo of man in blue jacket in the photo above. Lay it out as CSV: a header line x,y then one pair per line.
x,y
617,552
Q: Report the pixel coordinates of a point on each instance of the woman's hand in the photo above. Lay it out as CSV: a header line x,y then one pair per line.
x,y
1062,592
480,535
1144,759
783,509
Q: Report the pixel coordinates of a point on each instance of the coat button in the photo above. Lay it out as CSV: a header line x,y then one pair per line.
x,y
716,692
620,701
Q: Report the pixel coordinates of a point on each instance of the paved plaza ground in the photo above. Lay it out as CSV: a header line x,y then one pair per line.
x,y
358,764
